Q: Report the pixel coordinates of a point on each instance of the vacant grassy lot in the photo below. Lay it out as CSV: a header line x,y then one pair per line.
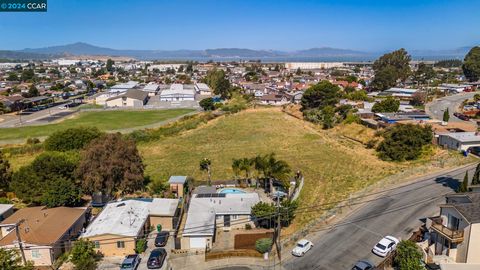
x,y
104,120
331,169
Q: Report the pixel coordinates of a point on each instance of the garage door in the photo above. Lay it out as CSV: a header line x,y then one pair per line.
x,y
198,242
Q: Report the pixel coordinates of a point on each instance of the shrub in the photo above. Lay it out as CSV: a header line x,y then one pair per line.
x,y
83,255
404,142
141,246
33,141
207,104
71,139
263,245
248,226
408,256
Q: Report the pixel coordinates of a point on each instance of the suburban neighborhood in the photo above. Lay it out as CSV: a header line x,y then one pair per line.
x,y
239,136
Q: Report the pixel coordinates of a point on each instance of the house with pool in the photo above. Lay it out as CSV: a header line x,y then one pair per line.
x,y
210,210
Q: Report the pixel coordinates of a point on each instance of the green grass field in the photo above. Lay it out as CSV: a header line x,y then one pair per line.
x,y
104,120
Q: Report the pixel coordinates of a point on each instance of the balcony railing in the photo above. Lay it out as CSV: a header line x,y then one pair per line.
x,y
450,234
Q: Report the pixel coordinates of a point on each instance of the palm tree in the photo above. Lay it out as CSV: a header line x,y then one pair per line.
x,y
272,169
205,165
236,163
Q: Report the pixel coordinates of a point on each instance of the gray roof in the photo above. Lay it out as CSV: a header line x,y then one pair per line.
x,y
176,179
464,136
467,204
203,210
133,94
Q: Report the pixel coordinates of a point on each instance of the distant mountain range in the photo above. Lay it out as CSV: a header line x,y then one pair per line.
x,y
314,54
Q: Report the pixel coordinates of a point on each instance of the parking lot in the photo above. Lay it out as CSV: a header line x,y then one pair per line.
x,y
111,263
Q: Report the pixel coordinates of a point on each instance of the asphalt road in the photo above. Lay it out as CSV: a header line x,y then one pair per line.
x,y
397,212
35,118
438,106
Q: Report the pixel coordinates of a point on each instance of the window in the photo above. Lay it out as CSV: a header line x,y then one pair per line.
x,y
234,217
35,253
97,244
120,244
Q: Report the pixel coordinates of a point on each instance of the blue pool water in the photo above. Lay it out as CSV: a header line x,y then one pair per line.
x,y
231,190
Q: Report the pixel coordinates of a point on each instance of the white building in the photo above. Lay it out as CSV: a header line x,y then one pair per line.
x,y
164,67
203,89
178,92
207,212
460,141
312,65
151,89
123,87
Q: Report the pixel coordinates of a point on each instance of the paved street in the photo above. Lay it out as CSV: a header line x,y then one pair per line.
x,y
397,212
438,106
35,118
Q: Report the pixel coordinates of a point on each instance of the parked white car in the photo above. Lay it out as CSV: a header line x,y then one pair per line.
x,y
302,247
385,246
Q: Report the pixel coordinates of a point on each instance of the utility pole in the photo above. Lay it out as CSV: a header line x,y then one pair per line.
x,y
277,232
19,239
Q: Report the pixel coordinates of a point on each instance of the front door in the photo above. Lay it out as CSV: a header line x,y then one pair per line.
x,y
226,220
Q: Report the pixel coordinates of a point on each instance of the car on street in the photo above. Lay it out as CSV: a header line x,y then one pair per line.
x,y
385,246
156,258
161,239
130,262
302,247
363,265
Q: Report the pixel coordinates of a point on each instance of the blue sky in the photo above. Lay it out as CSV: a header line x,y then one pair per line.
x,y
257,24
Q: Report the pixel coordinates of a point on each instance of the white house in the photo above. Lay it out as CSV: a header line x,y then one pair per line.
x,y
460,141
151,89
123,87
178,92
207,212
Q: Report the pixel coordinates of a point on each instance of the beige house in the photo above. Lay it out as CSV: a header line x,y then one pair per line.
x,y
116,230
455,233
46,233
134,98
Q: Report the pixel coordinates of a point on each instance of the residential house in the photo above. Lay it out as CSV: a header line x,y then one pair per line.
x,y
132,98
209,212
455,233
275,99
118,227
46,233
123,87
460,141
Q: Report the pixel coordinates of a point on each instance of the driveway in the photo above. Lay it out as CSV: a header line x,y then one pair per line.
x,y
150,246
397,212
436,108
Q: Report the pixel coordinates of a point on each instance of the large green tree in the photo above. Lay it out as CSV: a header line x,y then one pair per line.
x,y
471,64
424,73
37,182
390,68
446,115
110,64
218,81
404,142
409,256
389,104
71,138
320,95
109,164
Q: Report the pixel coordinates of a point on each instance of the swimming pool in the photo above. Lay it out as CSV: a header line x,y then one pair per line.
x,y
231,190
